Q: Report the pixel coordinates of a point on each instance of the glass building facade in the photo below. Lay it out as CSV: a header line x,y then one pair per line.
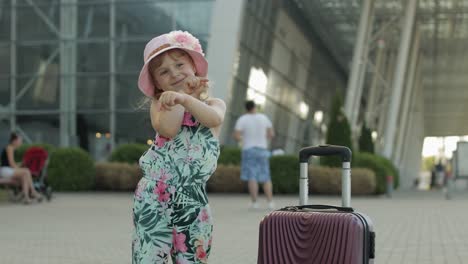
x,y
70,67
285,69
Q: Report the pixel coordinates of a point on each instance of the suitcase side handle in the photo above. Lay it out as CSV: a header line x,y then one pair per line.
x,y
325,150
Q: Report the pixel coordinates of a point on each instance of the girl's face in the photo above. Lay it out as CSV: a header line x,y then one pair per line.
x,y
171,69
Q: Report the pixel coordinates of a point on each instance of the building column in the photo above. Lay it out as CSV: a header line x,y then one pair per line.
x,y
112,65
406,142
358,67
399,78
408,95
223,52
411,162
13,66
382,103
374,88
68,32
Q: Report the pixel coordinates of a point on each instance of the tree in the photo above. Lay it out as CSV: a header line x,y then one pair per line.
x,y
365,140
338,133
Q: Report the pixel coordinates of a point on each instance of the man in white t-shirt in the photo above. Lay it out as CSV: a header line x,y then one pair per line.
x,y
255,130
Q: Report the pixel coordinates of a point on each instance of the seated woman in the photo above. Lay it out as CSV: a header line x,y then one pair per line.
x,y
9,169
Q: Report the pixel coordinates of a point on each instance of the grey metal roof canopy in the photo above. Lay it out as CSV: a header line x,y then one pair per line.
x,y
443,62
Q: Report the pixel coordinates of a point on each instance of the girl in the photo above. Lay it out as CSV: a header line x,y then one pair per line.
x,y
9,169
171,214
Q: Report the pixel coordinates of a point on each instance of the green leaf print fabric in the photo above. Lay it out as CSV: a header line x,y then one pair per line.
x,y
171,214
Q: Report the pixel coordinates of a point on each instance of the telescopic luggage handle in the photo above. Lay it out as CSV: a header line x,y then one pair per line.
x,y
325,150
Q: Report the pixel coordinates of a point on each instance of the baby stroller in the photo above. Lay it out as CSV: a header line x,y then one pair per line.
x,y
36,160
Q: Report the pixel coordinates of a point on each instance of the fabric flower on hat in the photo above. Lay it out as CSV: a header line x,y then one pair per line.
x,y
186,40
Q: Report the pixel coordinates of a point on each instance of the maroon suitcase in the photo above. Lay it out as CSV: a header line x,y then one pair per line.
x,y
317,233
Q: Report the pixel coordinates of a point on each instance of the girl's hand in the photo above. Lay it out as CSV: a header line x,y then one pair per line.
x,y
170,98
194,86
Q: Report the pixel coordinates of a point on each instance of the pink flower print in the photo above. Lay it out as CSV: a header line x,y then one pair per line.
x,y
203,216
163,175
160,190
164,197
201,254
161,140
188,121
178,239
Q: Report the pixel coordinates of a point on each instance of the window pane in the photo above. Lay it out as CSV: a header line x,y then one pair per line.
x,y
41,92
137,19
33,27
93,57
40,128
94,134
31,59
5,59
4,91
134,128
93,21
129,56
5,11
128,96
92,92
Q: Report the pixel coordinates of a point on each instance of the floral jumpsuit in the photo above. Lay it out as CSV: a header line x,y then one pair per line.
x,y
171,214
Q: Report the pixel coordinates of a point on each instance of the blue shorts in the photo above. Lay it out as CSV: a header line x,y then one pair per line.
x,y
255,165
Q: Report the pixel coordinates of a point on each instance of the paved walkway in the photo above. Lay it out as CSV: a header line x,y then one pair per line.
x,y
417,227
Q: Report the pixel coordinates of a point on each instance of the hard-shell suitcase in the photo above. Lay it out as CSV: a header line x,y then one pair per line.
x,y
317,233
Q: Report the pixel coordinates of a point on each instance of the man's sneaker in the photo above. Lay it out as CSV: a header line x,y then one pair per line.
x,y
254,205
271,205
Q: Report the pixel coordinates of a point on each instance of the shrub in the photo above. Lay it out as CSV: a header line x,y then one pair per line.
x,y
71,169
393,170
230,155
285,173
338,133
117,176
374,163
19,152
226,178
365,140
129,153
325,180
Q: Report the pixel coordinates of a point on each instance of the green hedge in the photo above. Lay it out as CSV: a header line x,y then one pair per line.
x,y
230,155
285,173
19,152
326,180
285,178
71,169
376,164
129,153
338,132
226,179
117,176
393,170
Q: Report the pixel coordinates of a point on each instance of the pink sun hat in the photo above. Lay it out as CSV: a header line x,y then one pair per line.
x,y
172,40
